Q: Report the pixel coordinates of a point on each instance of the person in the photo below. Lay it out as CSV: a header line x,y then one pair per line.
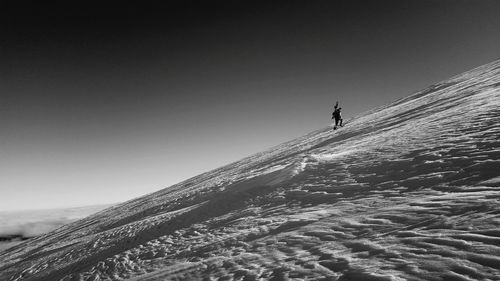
x,y
337,115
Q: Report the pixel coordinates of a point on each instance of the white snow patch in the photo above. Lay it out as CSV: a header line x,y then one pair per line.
x,y
327,157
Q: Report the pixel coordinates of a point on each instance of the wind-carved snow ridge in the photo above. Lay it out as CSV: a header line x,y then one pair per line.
x,y
312,160
409,191
328,157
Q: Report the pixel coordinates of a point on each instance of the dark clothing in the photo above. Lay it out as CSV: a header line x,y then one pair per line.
x,y
337,122
337,116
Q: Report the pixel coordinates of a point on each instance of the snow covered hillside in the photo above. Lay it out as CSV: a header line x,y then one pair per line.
x,y
409,191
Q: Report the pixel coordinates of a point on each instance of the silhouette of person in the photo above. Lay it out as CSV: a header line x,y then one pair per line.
x,y
337,116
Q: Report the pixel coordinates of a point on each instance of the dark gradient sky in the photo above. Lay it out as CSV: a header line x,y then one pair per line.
x,y
103,101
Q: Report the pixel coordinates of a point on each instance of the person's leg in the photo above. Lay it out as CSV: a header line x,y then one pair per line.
x,y
341,120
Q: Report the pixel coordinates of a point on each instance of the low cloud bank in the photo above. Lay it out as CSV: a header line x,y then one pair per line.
x,y
21,225
31,229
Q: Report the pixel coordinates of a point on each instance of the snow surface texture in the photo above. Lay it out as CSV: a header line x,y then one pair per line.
x,y
409,191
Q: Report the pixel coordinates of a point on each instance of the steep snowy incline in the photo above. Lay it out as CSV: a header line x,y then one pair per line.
x,y
409,191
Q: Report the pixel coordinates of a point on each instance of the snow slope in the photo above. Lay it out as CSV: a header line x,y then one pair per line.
x,y
409,191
